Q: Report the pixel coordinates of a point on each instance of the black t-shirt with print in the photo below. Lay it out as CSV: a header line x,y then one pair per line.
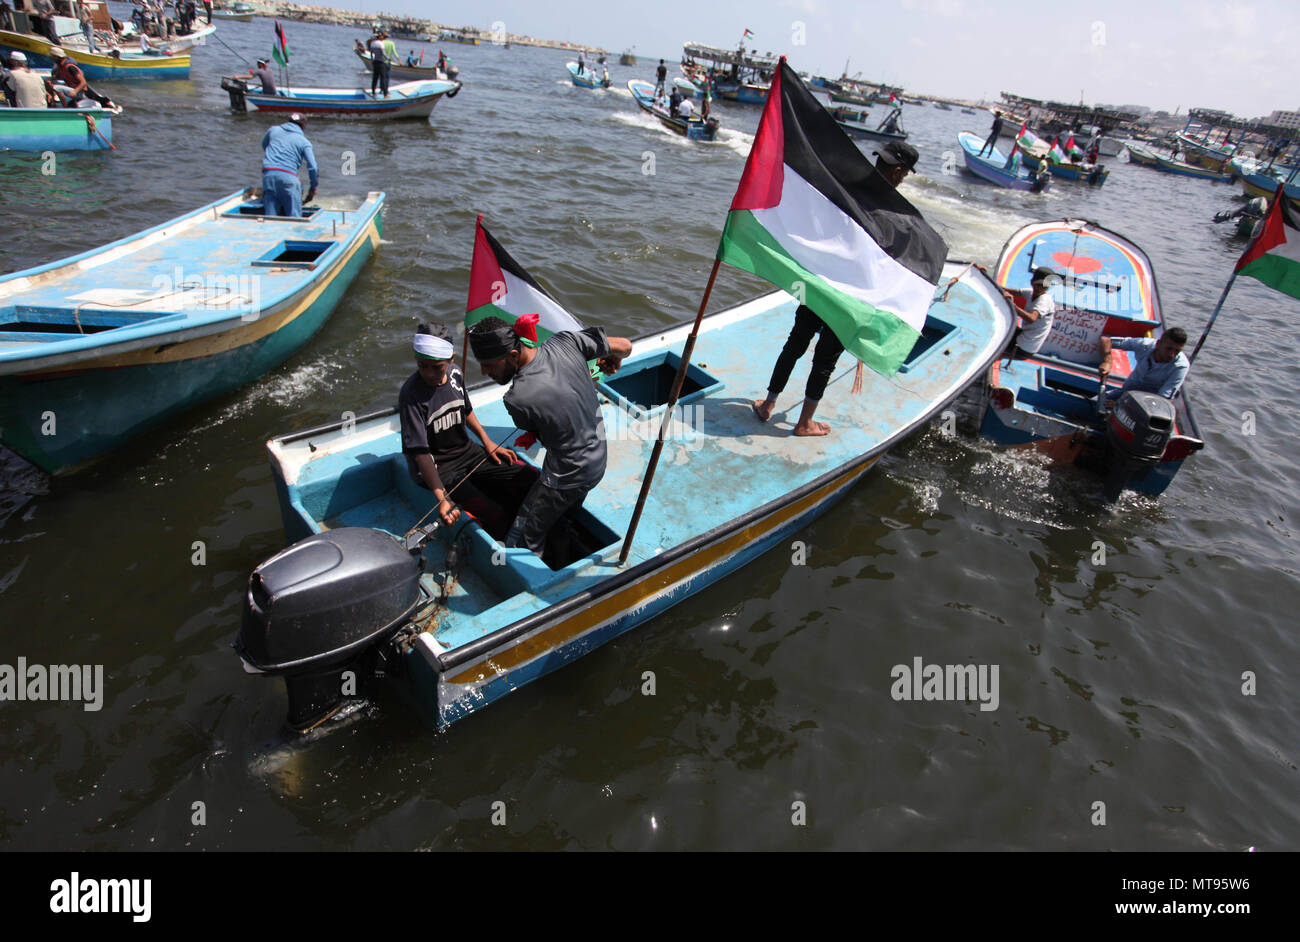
x,y
433,422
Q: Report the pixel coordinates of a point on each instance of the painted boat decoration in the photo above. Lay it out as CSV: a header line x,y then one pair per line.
x,y
1094,175
457,635
57,129
588,77
694,129
402,70
127,66
113,342
1049,401
407,100
993,169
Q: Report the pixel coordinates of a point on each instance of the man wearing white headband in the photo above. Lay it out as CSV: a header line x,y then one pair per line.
x,y
435,410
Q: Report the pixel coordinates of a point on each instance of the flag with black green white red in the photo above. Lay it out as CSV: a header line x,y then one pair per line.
x,y
1273,256
499,287
814,217
280,50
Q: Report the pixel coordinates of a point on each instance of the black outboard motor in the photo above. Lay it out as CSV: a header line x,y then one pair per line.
x,y
236,90
1137,432
329,604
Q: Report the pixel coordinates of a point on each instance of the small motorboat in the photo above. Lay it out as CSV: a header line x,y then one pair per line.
x,y
402,70
97,65
693,128
407,100
57,129
587,77
1093,174
996,168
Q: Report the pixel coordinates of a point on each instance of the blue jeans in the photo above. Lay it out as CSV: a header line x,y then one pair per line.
x,y
281,194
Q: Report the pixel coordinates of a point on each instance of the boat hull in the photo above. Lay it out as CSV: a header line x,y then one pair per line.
x,y
694,129
56,129
404,101
587,78
992,170
402,70
96,66
1080,173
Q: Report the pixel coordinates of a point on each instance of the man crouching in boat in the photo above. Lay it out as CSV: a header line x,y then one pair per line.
x,y
434,407
284,148
553,399
1161,366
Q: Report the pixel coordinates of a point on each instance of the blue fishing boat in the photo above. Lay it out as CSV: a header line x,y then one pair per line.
x,y
687,87
1049,402
56,129
457,621
97,66
1094,174
693,128
1183,169
1142,155
587,77
994,169
98,348
407,100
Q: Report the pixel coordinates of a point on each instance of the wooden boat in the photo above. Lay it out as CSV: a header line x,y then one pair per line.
x,y
626,58
1201,154
688,88
413,72
56,129
1049,401
850,98
115,341
1142,155
1257,182
1184,169
993,169
694,128
943,106
1094,174
587,78
854,124
96,66
466,37
243,12
465,632
407,100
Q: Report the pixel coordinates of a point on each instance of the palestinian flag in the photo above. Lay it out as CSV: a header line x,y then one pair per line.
x,y
1025,137
893,99
813,217
499,287
1072,148
280,51
749,33
1274,255
1056,154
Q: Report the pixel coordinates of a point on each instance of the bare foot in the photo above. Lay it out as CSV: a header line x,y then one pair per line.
x,y
762,409
812,428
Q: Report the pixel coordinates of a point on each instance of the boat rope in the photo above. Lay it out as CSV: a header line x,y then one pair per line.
x,y
227,45
90,123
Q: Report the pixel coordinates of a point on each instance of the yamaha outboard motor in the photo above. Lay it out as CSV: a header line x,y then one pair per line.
x,y
329,604
1137,432
236,90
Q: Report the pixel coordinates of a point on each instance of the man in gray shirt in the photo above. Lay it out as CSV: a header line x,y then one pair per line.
x,y
553,399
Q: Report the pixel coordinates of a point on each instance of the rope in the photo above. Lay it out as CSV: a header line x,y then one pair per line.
x,y
227,45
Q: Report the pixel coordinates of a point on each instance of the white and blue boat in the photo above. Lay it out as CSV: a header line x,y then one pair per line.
x,y
98,348
994,169
407,100
457,621
97,66
587,76
693,128
57,129
1049,402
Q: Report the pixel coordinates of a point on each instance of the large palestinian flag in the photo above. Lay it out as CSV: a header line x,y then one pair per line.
x,y
499,287
814,217
1274,255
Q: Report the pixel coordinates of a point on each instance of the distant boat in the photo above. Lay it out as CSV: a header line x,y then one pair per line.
x,y
464,36
56,129
993,169
944,106
627,58
400,69
587,77
694,128
407,100
855,123
243,12
94,65
117,340
1143,156
968,111
1201,154
1094,174
849,98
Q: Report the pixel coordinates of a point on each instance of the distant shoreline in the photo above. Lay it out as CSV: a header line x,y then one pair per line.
x,y
329,15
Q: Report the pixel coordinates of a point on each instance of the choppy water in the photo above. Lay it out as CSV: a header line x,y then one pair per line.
x,y
1119,682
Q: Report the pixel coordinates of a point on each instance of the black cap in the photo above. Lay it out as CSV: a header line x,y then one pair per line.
x,y
1044,274
897,153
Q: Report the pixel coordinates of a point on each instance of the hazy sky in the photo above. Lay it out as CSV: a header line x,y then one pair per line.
x,y
1235,56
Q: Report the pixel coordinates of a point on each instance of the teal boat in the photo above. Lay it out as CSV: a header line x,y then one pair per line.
x,y
587,76
457,621
98,348
1094,174
56,129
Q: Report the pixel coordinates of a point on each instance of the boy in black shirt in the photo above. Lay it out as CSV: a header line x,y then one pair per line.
x,y
435,409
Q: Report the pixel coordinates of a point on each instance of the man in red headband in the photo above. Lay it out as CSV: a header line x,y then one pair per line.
x,y
553,398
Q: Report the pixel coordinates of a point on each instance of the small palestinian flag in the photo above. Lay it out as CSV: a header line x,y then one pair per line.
x,y
280,51
749,33
499,287
813,216
1025,137
1056,154
1274,255
893,99
1072,148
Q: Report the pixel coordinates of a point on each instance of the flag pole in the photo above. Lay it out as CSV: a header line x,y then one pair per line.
x,y
1218,307
668,417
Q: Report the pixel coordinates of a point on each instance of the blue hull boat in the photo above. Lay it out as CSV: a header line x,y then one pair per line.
x,y
729,489
587,78
407,100
993,169
56,129
1082,173
694,128
1049,402
98,348
98,66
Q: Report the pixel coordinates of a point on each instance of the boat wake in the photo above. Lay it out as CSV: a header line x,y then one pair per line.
x,y
280,389
738,141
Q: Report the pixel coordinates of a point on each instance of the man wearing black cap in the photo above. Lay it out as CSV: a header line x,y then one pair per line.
x,y
284,148
894,161
1036,319
552,398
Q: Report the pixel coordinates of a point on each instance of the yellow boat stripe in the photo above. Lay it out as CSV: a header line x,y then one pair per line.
x,y
635,594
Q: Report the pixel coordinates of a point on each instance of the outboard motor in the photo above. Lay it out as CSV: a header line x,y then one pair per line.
x,y
236,90
330,603
452,72
1137,432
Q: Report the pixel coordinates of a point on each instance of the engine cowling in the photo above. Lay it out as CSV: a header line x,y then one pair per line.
x,y
1137,432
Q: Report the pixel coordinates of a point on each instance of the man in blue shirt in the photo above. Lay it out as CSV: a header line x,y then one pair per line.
x,y
284,148
1160,367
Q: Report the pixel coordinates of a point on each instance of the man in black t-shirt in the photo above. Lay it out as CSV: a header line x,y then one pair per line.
x,y
435,410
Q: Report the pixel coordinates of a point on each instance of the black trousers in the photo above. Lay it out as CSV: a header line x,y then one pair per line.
x,y
379,76
992,143
493,493
829,348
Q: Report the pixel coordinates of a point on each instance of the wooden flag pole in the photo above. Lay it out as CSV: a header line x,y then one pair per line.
x,y
668,417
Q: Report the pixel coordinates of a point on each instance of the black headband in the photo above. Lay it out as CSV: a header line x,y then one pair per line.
x,y
492,344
